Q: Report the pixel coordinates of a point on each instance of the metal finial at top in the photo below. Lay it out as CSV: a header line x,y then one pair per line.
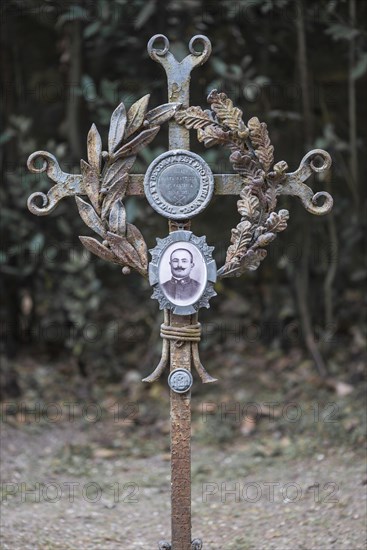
x,y
178,78
194,58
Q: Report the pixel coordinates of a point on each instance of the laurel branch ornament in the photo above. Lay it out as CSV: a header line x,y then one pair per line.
x,y
103,183
262,181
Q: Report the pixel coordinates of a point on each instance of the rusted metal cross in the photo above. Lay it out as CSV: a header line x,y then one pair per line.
x,y
105,181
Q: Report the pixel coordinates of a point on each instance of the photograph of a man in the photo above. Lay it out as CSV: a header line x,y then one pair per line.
x,y
181,286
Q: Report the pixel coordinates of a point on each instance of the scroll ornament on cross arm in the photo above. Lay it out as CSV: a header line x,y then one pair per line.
x,y
103,181
252,157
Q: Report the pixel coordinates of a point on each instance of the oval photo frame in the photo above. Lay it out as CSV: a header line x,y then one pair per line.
x,y
182,272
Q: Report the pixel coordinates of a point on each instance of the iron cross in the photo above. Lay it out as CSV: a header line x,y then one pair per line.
x,y
179,185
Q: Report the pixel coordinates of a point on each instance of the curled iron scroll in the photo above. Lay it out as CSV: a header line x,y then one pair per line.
x,y
156,51
66,184
294,184
168,60
207,47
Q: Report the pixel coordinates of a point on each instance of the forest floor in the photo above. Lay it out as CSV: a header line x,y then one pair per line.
x,y
89,468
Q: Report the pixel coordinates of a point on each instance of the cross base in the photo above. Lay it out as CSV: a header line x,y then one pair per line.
x,y
196,544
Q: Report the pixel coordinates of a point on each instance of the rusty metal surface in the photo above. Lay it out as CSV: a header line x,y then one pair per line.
x,y
178,81
180,353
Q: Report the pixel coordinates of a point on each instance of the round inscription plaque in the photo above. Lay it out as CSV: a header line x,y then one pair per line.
x,y
180,380
179,184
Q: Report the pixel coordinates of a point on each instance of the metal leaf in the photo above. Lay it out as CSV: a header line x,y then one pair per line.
x,y
94,148
115,192
123,249
261,142
161,114
249,262
117,128
213,134
136,115
271,195
227,114
194,118
140,141
125,252
90,217
98,249
265,239
91,183
248,206
229,269
116,171
280,169
136,239
277,222
117,219
252,259
245,164
241,236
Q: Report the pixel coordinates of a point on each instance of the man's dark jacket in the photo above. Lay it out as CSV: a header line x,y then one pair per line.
x,y
181,289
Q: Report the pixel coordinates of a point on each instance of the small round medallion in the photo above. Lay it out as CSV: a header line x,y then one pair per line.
x,y
179,184
180,380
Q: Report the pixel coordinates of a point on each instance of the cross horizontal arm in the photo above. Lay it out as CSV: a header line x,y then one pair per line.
x,y
224,184
293,183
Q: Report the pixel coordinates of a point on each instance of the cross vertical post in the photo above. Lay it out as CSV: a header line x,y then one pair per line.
x,y
178,84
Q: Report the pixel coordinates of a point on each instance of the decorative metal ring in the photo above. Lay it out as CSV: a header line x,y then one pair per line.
x,y
152,50
207,45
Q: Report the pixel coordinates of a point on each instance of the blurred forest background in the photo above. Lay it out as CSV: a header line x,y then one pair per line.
x,y
299,66
287,342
